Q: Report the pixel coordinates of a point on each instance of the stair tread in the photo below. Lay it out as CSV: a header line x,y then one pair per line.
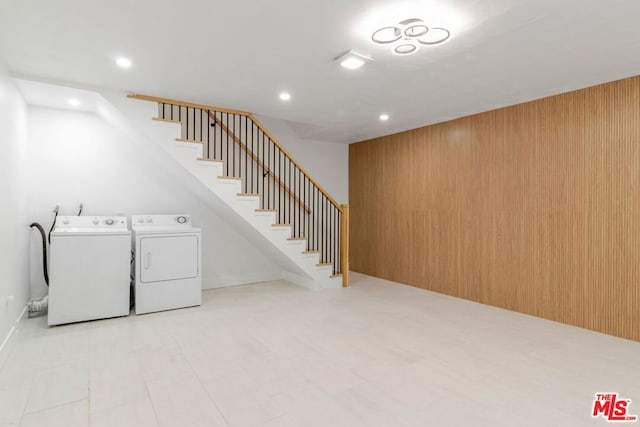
x,y
230,177
311,252
323,264
248,194
281,225
336,275
159,119
202,159
266,210
190,141
297,238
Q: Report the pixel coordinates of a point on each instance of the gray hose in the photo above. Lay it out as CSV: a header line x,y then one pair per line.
x,y
44,251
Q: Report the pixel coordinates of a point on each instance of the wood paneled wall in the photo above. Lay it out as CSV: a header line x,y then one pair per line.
x,y
533,208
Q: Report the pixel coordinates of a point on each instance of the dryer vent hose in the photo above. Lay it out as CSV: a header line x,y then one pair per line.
x,y
44,251
38,305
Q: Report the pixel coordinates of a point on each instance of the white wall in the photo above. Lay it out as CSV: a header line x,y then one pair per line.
x,y
14,218
78,157
327,162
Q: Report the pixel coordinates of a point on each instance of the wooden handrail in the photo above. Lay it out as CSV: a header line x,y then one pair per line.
x,y
186,104
255,120
258,161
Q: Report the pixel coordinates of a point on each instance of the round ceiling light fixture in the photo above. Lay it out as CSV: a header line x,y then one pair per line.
x,y
386,35
416,30
405,49
405,36
435,36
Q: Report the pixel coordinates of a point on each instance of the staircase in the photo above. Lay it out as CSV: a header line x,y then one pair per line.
x,y
242,164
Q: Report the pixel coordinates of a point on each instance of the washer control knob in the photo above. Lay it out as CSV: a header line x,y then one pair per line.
x,y
181,219
149,219
109,221
95,221
65,221
140,220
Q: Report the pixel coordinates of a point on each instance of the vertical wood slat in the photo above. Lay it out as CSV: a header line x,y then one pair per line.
x,y
534,208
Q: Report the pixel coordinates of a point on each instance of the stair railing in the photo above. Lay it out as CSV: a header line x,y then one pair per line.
x,y
267,169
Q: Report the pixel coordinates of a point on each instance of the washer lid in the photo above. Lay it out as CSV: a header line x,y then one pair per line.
x,y
87,232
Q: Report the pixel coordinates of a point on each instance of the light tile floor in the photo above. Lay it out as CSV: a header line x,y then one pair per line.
x,y
273,354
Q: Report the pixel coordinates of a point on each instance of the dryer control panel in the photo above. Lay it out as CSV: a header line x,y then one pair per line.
x,y
171,221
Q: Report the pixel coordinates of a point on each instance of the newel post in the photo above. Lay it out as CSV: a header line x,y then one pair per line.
x,y
344,245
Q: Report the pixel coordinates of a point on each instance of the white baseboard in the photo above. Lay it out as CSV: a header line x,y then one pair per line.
x,y
12,330
244,279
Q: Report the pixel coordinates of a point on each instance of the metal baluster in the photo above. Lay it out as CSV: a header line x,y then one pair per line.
x,y
263,172
276,199
216,128
270,172
295,204
187,124
339,229
252,168
313,214
280,198
300,206
246,154
306,216
324,228
333,230
226,126
319,220
257,154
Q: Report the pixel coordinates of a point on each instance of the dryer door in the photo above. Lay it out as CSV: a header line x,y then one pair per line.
x,y
168,258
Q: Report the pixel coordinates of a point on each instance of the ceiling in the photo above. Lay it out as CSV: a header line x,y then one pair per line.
x,y
241,54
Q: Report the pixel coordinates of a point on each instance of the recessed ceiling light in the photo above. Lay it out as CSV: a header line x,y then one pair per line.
x,y
124,62
285,96
384,117
351,60
74,102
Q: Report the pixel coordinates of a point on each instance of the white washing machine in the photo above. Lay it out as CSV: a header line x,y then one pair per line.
x,y
167,266
90,266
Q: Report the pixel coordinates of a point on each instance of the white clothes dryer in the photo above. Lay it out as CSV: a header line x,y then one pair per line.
x,y
90,264
167,267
